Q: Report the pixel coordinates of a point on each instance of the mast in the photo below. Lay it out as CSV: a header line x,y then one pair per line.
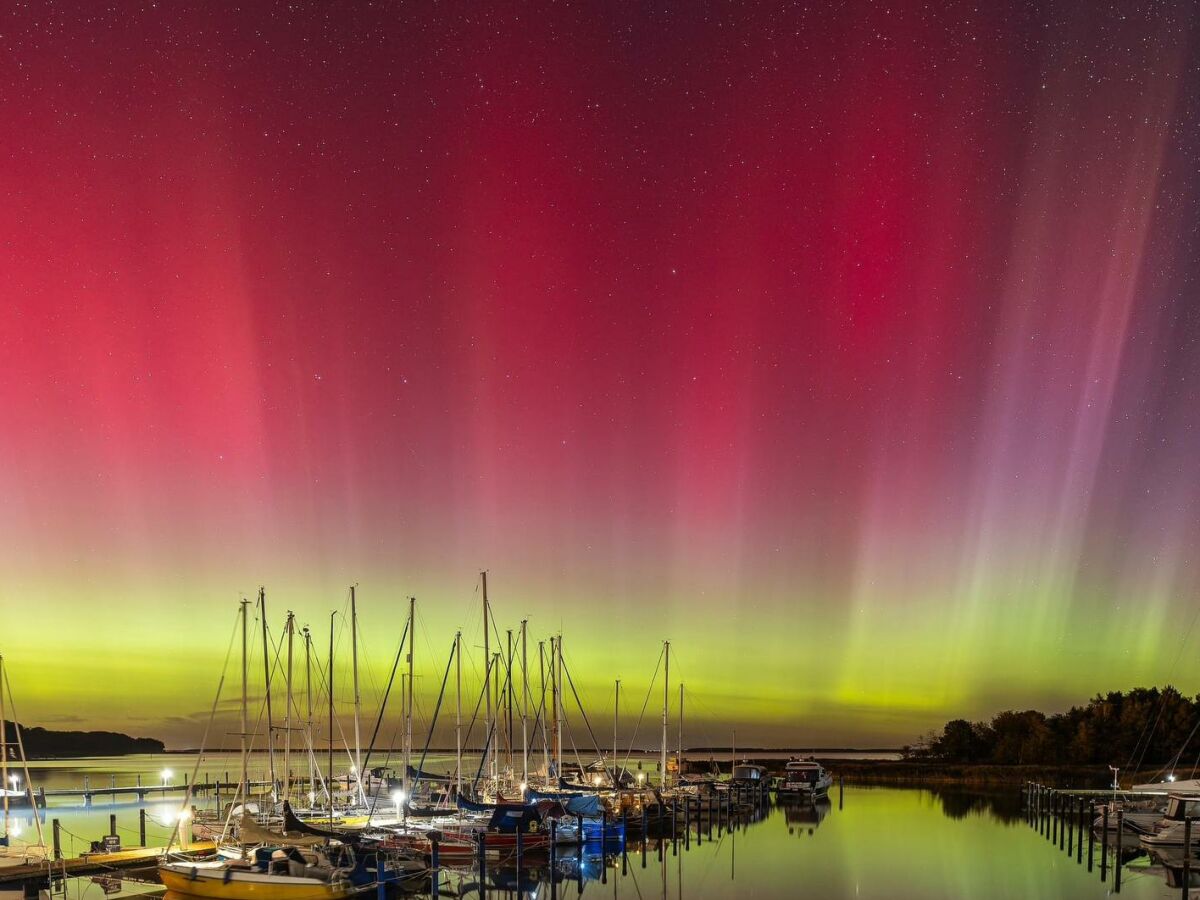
x,y
245,701
487,687
554,730
679,754
308,721
458,714
287,716
524,704
497,723
329,776
542,707
357,697
262,604
559,714
4,782
616,711
6,685
666,703
408,724
508,702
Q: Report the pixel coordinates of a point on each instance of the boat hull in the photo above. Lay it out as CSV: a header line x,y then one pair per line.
x,y
212,885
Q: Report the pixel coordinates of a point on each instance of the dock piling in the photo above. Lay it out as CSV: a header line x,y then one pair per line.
x,y
1104,845
142,826
1187,857
57,839
1117,856
1091,819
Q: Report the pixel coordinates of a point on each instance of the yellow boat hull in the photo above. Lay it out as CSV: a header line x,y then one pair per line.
x,y
237,889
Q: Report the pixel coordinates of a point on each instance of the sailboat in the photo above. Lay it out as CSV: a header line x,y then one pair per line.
x,y
14,851
277,867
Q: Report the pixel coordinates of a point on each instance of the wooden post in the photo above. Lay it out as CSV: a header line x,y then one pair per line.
x,y
687,823
1117,858
1062,821
1070,825
57,839
142,826
1055,799
1104,845
112,824
553,859
1091,819
1082,825
1187,856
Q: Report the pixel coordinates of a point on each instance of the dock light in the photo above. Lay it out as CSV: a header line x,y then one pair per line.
x,y
312,797
398,799
523,786
596,780
183,815
14,829
166,776
641,777
15,781
1171,777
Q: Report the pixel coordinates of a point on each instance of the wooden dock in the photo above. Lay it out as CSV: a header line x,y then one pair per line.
x,y
142,791
95,863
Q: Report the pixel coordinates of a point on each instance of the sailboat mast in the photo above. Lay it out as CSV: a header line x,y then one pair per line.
x,y
6,685
616,712
508,702
524,703
666,704
408,724
458,714
262,605
308,720
679,755
487,687
287,716
542,707
3,748
329,775
357,697
494,668
245,703
558,718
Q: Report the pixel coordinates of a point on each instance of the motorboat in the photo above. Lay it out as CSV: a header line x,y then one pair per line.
x,y
1172,829
804,778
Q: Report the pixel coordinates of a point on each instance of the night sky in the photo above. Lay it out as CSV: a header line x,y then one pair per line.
x,y
851,346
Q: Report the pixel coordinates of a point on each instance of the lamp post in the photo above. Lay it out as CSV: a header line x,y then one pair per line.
x,y
398,799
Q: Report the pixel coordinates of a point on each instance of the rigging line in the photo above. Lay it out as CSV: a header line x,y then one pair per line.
x,y
1162,703
474,718
211,716
583,712
483,757
433,723
383,705
645,703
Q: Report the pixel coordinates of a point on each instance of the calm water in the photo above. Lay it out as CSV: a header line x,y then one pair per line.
x,y
877,842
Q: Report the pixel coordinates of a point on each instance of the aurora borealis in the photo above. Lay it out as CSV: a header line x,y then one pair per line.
x,y
852,347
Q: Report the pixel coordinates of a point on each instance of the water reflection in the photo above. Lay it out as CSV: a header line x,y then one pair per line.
x,y
879,842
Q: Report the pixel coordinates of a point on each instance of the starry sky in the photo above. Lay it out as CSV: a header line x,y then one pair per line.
x,y
852,347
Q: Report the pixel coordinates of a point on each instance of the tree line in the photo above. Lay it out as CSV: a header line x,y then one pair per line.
x,y
42,743
1144,726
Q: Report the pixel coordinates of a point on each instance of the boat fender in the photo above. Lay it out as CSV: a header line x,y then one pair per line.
x,y
195,874
228,877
